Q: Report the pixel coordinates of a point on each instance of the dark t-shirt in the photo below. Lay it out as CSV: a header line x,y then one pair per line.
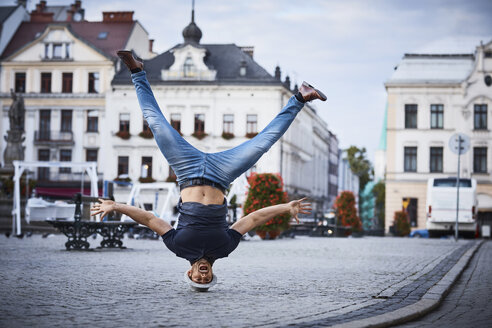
x,y
202,232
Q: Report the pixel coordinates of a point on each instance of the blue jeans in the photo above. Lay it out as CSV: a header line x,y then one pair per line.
x,y
188,162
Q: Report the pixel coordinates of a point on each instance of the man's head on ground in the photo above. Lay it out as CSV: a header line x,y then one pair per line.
x,y
201,272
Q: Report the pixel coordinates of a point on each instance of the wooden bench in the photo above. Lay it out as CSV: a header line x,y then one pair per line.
x,y
78,230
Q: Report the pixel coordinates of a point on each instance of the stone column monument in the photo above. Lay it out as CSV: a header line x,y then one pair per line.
x,y
15,135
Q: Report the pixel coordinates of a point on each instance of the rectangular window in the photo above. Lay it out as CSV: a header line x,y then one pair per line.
x,y
437,116
146,128
65,156
91,155
436,159
480,116
200,123
66,120
20,82
43,172
46,51
176,121
92,121
124,123
228,123
67,50
410,116
44,124
480,159
93,83
410,159
251,124
67,82
57,50
45,82
146,169
122,165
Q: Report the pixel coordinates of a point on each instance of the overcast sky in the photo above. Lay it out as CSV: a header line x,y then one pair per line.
x,y
346,48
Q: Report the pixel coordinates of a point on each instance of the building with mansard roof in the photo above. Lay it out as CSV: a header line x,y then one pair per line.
x,y
217,96
432,95
63,66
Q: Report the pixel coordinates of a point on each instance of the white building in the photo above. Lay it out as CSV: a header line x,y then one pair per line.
x,y
432,95
347,180
63,65
217,96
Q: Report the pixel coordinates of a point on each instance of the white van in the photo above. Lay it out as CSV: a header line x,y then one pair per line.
x,y
441,207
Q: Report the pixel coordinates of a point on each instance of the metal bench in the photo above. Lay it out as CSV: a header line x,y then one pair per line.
x,y
78,230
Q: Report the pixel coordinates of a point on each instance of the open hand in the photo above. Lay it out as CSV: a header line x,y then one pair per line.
x,y
104,207
299,206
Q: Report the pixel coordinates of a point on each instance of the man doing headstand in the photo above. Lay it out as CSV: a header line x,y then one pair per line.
x,y
202,235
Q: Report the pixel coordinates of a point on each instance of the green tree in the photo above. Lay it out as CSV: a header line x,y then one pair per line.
x,y
360,165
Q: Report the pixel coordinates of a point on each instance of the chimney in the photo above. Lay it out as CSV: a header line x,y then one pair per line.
x,y
39,16
69,15
277,73
287,82
151,45
248,50
117,16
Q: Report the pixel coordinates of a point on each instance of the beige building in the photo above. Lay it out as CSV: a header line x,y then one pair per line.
x,y
63,66
431,96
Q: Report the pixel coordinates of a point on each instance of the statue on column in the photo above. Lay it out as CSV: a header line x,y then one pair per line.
x,y
15,150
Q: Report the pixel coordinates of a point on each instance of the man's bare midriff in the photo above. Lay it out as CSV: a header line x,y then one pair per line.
x,y
206,195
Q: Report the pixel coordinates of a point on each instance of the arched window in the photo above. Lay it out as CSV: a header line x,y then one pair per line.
x,y
188,67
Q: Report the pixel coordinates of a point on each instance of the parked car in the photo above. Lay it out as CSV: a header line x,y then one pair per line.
x,y
423,233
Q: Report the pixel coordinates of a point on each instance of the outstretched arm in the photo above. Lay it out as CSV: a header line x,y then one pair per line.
x,y
143,217
263,215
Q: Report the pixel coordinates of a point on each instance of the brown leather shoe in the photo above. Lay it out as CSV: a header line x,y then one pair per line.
x,y
127,57
309,92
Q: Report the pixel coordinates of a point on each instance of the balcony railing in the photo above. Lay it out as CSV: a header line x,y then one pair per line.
x,y
53,137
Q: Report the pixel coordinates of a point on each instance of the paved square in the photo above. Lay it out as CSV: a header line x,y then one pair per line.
x,y
262,283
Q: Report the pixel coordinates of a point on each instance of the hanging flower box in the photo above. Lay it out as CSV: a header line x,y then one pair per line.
x,y
125,135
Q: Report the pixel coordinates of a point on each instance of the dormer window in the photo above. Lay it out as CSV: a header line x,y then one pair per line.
x,y
102,35
242,69
188,67
57,51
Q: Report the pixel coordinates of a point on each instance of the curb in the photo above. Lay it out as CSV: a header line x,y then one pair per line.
x,y
429,301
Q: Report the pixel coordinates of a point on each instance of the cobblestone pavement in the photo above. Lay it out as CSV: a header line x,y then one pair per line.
x,y
468,304
262,283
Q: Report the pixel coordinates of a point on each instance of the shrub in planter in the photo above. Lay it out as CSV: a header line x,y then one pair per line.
x,y
125,135
266,189
251,135
171,178
401,224
199,135
146,180
146,134
227,135
346,211
127,179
